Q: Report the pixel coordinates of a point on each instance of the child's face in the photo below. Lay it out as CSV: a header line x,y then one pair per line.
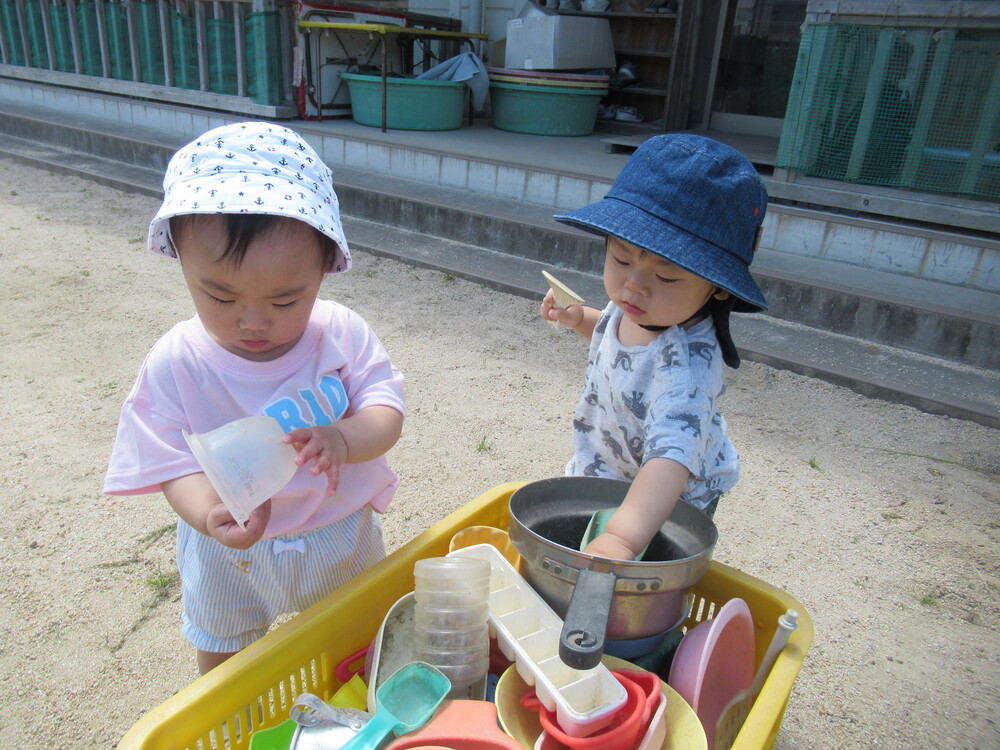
x,y
259,309
650,290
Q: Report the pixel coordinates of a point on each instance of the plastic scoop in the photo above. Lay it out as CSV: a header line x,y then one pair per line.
x,y
404,702
246,462
598,523
735,713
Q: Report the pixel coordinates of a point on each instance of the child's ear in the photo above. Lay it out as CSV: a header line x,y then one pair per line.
x,y
721,295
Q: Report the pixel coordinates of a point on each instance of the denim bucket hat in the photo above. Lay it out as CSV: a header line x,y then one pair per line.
x,y
250,167
692,200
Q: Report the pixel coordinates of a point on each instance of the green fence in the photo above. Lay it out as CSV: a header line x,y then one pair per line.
x,y
262,56
221,56
147,17
914,108
12,32
119,56
185,51
59,21
263,51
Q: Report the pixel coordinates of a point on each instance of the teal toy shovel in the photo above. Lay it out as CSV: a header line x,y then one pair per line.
x,y
404,702
598,522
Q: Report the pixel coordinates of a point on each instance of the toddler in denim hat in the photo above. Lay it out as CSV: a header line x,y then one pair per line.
x,y
680,223
250,211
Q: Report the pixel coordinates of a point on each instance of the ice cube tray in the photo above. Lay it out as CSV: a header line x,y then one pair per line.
x,y
527,631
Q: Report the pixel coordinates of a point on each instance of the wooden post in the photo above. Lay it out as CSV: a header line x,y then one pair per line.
x,y
74,36
133,39
102,38
50,51
4,52
202,41
385,65
241,52
23,27
166,36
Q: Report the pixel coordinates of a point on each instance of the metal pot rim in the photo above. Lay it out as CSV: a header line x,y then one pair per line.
x,y
583,561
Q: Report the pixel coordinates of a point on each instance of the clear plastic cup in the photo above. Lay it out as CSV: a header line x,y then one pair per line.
x,y
458,570
451,639
246,461
460,668
430,616
452,599
450,620
443,582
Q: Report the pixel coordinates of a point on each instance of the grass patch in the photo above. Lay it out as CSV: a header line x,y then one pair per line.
x,y
161,583
484,445
980,469
157,534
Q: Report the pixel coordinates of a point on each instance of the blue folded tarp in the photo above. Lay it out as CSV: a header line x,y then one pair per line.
x,y
464,67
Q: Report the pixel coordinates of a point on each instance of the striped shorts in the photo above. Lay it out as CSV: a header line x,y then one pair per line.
x,y
232,596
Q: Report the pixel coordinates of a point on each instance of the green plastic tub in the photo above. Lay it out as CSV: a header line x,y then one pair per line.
x,y
410,104
544,110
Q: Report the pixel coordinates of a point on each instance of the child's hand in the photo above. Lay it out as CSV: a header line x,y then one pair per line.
x,y
222,527
610,546
570,316
325,446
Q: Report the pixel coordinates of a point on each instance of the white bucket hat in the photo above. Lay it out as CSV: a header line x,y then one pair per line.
x,y
250,167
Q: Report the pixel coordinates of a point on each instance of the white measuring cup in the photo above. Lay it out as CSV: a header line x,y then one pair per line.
x,y
246,461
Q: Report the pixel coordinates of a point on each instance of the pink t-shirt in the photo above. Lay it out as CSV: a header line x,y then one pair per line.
x,y
189,382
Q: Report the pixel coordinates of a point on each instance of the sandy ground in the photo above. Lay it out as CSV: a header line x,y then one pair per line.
x,y
883,521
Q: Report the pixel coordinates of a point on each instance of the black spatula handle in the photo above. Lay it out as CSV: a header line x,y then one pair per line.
x,y
581,643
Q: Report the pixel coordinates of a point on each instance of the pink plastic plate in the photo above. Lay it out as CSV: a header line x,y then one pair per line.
x,y
714,661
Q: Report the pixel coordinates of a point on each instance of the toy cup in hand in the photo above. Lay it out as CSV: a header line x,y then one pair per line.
x,y
562,295
246,461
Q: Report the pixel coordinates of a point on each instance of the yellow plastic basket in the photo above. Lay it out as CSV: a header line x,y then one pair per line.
x,y
255,688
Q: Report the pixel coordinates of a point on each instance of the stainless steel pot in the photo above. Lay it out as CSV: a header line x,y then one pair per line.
x,y
600,598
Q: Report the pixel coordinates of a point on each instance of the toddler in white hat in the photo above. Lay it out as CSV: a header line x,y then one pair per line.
x,y
250,211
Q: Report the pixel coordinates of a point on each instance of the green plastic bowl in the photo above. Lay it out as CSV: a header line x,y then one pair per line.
x,y
544,110
410,104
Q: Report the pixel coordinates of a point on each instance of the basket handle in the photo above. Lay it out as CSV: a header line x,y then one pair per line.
x,y
348,667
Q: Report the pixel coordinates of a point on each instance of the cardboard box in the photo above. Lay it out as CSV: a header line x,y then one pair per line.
x,y
559,43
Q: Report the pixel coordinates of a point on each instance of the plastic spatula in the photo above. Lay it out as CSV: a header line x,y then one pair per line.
x,y
599,522
561,294
735,713
404,702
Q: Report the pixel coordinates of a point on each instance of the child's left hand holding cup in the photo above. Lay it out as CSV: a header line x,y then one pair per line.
x,y
221,525
570,316
325,446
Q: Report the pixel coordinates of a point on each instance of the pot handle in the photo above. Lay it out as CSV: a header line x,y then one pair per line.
x,y
581,643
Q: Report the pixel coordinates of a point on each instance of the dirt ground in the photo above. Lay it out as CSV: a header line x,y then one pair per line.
x,y
883,521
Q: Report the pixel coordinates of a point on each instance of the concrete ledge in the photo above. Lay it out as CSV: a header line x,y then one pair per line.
x,y
932,385
205,99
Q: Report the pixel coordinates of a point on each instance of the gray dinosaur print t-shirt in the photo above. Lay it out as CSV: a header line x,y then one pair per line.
x,y
652,401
